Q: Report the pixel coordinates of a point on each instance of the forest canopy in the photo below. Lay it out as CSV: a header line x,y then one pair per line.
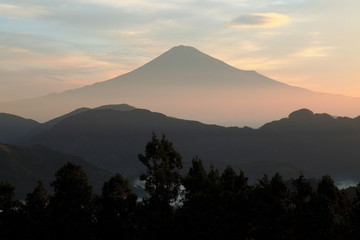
x,y
202,203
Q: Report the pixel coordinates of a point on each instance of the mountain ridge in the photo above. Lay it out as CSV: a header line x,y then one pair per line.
x,y
304,142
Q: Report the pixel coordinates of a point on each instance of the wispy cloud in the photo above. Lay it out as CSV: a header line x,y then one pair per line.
x,y
260,20
262,63
148,4
16,11
315,51
63,66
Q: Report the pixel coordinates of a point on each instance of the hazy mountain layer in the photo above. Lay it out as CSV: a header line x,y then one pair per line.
x,y
13,127
48,124
24,166
189,84
313,144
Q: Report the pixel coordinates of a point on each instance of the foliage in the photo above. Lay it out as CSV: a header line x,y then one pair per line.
x,y
162,178
71,205
7,192
115,209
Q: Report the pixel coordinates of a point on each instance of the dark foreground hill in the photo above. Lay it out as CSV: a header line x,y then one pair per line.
x,y
24,166
308,143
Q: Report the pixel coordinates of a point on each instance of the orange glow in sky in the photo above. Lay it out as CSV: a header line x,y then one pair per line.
x,y
51,46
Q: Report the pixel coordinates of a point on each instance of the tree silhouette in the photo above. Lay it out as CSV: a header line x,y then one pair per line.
x,y
117,206
71,204
235,201
195,182
7,192
163,163
328,210
195,212
36,211
301,211
271,199
214,205
354,231
10,218
37,201
162,183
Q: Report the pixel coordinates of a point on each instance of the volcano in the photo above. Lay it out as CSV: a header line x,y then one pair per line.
x,y
186,83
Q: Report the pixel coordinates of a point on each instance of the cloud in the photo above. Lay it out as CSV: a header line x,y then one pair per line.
x,y
29,73
260,20
259,63
16,11
314,52
87,67
143,4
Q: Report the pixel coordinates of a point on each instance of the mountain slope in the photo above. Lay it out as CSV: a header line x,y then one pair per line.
x,y
13,127
189,84
314,144
24,166
112,139
183,65
52,122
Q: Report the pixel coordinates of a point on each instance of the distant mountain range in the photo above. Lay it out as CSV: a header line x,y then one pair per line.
x,y
111,138
189,84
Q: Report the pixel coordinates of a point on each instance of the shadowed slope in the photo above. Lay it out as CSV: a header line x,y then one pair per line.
x,y
24,166
13,127
314,144
49,124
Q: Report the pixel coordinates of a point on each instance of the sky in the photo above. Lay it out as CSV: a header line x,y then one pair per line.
x,y
50,46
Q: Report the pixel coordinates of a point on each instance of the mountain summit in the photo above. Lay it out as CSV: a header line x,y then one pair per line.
x,y
186,60
185,57
186,83
187,66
